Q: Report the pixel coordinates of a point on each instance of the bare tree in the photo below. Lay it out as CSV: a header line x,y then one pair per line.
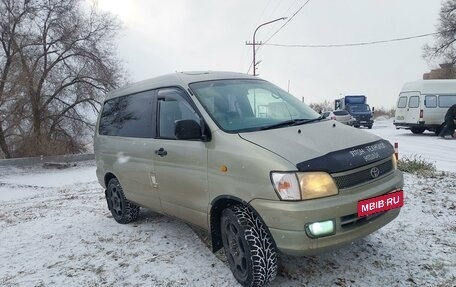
x,y
12,14
65,62
322,106
444,50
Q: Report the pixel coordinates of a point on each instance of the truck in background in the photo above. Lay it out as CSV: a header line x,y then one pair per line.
x,y
357,107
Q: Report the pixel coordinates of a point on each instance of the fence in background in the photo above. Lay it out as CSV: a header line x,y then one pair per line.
x,y
46,159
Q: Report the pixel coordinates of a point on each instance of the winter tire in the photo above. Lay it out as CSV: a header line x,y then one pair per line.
x,y
249,247
122,210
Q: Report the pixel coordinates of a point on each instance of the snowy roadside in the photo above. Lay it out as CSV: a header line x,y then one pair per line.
x,y
56,230
440,152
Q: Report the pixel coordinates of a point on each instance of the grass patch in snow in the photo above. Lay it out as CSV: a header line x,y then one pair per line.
x,y
417,165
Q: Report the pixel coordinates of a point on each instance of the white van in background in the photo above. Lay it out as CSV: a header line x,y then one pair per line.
x,y
422,105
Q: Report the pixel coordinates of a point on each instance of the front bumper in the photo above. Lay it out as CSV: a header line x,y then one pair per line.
x,y
364,123
287,220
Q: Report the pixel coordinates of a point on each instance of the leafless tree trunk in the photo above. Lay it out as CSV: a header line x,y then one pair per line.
x,y
65,62
11,16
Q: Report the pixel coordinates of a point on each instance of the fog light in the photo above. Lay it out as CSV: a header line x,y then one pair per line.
x,y
319,229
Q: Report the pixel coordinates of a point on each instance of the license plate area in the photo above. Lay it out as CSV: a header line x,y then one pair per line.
x,y
381,203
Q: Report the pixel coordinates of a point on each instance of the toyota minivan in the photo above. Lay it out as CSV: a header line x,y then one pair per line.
x,y
236,155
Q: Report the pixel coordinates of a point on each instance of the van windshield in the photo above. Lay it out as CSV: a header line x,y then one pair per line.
x,y
242,105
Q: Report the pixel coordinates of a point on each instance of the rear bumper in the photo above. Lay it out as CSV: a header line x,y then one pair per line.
x,y
421,124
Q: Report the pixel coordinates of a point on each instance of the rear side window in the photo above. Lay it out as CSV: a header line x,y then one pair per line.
x,y
431,101
414,102
128,116
340,113
402,102
447,101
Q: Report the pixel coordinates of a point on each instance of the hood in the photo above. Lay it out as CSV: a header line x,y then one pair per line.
x,y
327,146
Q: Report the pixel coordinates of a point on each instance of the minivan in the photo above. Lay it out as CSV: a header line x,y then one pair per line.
x,y
236,155
422,104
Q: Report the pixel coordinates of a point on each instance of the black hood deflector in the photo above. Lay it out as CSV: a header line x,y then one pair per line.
x,y
349,158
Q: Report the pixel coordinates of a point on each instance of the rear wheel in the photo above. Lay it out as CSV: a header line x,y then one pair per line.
x,y
417,130
121,208
249,248
369,126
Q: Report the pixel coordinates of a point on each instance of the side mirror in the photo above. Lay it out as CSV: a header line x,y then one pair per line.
x,y
373,109
187,130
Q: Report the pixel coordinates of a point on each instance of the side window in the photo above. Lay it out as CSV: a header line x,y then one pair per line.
x,y
172,106
402,102
128,116
430,101
414,102
447,101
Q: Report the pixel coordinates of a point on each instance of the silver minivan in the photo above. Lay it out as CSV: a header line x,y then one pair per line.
x,y
238,156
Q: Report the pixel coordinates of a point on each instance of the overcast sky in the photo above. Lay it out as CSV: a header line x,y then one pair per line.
x,y
161,37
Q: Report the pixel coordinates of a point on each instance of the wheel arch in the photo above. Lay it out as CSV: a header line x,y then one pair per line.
x,y
218,204
108,176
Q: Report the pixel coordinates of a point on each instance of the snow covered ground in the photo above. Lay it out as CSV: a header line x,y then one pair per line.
x,y
439,151
57,231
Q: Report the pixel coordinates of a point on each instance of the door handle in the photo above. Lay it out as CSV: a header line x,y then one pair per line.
x,y
161,152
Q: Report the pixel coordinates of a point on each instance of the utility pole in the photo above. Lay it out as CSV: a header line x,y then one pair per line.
x,y
254,63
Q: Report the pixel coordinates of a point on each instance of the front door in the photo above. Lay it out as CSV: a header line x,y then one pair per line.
x,y
180,165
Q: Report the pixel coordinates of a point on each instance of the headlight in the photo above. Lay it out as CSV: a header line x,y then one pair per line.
x,y
316,184
303,185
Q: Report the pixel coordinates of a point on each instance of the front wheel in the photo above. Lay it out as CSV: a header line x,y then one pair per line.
x,y
249,248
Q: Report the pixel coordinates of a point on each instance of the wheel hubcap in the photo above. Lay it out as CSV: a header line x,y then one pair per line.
x,y
236,251
116,203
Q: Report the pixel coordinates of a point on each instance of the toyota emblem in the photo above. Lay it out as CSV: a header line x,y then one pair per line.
x,y
374,172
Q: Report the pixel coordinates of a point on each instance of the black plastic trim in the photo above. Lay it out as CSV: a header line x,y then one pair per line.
x,y
350,158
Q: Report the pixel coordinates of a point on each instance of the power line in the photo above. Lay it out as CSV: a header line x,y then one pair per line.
x,y
289,19
351,44
281,27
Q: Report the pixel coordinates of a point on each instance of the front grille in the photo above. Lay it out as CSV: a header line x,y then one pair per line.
x,y
353,220
363,176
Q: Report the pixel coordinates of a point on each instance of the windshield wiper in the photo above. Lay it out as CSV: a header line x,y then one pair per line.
x,y
293,122
314,120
